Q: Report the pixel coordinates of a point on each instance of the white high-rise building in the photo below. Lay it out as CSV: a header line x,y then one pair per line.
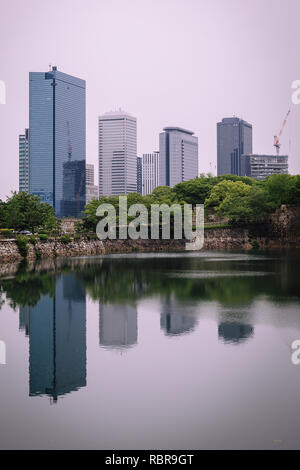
x,y
150,172
91,189
117,154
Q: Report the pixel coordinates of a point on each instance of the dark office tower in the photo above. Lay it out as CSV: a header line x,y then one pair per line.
x,y
139,175
24,161
73,182
178,156
57,340
57,140
234,138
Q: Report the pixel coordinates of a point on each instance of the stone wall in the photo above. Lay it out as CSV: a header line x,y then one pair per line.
x,y
281,229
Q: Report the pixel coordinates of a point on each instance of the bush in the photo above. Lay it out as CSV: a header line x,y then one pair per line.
x,y
212,226
255,244
22,244
7,233
43,237
77,236
65,239
32,239
92,236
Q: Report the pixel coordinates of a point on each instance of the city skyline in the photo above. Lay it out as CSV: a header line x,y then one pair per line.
x,y
205,34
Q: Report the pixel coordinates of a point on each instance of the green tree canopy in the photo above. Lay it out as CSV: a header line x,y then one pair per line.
x,y
23,211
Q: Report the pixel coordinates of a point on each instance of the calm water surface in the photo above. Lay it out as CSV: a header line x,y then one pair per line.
x,y
151,351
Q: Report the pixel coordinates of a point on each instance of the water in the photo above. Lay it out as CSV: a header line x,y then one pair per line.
x,y
145,351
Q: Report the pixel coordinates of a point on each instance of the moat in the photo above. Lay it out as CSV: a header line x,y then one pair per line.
x,y
170,351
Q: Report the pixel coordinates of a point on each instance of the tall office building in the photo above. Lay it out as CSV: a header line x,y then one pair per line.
x,y
139,175
24,161
234,138
150,172
57,140
178,156
260,167
117,154
92,190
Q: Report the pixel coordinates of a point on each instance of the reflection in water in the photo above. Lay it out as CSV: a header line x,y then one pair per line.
x,y
176,318
51,298
235,397
57,340
234,332
118,325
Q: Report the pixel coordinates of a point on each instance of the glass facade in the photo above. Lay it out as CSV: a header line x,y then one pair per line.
x,y
234,138
178,156
57,141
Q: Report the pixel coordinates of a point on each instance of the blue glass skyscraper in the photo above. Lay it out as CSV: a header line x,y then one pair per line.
x,y
57,141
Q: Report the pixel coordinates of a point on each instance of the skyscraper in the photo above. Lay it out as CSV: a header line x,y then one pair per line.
x,y
57,140
117,154
24,161
234,138
92,190
150,172
178,156
139,175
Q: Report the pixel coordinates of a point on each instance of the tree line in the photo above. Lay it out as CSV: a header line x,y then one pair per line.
x,y
240,199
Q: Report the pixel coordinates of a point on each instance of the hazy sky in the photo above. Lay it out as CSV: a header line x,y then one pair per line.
x,y
186,63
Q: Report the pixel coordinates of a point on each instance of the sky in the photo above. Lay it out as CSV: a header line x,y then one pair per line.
x,y
185,63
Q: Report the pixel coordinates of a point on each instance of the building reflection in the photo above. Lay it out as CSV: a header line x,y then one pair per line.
x,y
57,340
234,332
117,325
176,318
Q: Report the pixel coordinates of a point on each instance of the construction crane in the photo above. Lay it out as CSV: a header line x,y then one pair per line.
x,y
276,138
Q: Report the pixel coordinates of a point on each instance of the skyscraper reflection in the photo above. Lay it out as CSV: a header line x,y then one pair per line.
x,y
234,331
118,325
57,340
176,319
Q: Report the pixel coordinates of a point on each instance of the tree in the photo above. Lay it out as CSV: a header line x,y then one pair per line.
x,y
223,189
194,191
25,211
283,189
240,201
